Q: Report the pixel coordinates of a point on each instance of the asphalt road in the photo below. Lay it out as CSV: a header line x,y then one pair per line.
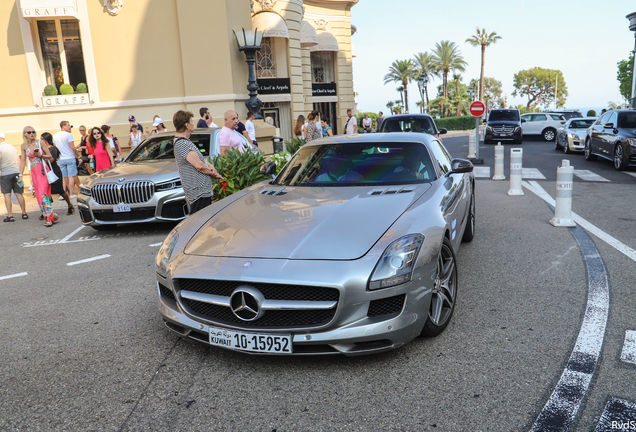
x,y
84,347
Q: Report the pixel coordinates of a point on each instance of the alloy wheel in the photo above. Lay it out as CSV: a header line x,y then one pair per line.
x,y
618,157
548,135
445,288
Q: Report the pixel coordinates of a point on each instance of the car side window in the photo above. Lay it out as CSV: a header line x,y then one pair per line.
x,y
556,117
539,117
603,119
202,142
526,118
441,156
613,119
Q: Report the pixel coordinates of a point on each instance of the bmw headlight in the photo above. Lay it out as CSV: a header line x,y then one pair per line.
x,y
397,261
166,251
85,190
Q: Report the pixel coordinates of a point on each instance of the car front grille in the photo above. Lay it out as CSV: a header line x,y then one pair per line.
x,y
271,318
386,306
166,292
133,215
503,129
127,193
174,210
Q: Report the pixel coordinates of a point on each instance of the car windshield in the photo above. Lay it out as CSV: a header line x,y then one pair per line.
x,y
498,115
358,164
581,124
409,124
163,148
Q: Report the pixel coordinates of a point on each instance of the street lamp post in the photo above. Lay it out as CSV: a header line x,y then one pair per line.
x,y
422,82
632,26
249,42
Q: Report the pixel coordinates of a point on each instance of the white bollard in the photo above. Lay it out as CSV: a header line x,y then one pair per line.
x,y
471,147
564,184
516,164
499,163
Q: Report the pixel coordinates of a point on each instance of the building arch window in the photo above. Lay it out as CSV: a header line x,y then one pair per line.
x,y
266,60
322,67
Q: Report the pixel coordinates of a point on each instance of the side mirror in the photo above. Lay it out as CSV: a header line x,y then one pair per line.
x,y
442,131
523,120
609,126
459,166
268,169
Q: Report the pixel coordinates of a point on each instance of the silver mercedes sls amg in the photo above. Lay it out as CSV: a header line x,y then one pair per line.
x,y
350,250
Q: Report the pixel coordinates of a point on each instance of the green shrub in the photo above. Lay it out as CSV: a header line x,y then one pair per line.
x,y
66,89
280,159
456,123
591,113
81,88
50,90
240,170
293,145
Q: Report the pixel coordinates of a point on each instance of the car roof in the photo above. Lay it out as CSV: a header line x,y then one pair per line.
x,y
399,116
376,138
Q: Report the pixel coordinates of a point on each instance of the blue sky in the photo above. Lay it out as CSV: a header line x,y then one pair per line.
x,y
584,39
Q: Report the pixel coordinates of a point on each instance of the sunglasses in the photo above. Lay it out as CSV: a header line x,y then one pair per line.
x,y
30,132
97,133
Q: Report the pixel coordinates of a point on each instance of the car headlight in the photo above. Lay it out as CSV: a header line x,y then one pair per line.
x,y
575,136
85,190
517,129
163,256
172,184
489,129
631,141
396,264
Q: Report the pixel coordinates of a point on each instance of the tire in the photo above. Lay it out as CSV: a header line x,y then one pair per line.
x,y
619,158
549,134
444,292
566,149
469,231
589,156
557,146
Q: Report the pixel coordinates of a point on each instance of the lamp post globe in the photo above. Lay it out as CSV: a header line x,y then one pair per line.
x,y
249,42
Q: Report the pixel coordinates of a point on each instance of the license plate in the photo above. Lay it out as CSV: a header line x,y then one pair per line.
x,y
121,208
252,342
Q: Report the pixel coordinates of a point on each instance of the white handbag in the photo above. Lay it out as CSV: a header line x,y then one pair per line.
x,y
50,175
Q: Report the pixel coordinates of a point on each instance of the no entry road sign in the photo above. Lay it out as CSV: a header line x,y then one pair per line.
x,y
477,109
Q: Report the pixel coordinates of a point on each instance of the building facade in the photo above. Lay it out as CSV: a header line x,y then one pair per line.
x,y
97,62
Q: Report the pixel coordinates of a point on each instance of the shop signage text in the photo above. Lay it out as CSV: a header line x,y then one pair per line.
x,y
48,11
324,89
273,86
64,100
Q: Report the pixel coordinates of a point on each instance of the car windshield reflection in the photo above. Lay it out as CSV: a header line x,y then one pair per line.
x,y
581,124
162,148
358,165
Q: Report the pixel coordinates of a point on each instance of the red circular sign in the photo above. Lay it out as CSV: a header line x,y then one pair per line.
x,y
477,109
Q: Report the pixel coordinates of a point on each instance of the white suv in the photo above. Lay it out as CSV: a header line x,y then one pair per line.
x,y
544,124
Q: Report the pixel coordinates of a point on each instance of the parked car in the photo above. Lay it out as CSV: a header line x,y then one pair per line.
x,y
145,186
567,114
503,125
422,123
544,124
571,137
613,137
296,265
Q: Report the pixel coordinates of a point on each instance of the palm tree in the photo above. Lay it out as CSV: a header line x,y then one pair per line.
x,y
484,39
424,65
457,78
421,105
446,57
400,90
390,106
402,71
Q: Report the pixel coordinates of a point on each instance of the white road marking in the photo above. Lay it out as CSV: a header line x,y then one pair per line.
x,y
633,174
482,171
88,260
591,228
629,347
618,415
588,175
62,241
13,275
531,173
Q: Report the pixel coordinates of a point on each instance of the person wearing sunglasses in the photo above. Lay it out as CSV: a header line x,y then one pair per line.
x,y
103,154
36,156
57,187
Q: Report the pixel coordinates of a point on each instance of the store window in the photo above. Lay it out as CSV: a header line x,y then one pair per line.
x,y
61,48
322,67
265,60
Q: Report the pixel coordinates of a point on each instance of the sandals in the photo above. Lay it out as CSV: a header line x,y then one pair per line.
x,y
41,217
25,216
70,211
9,219
48,224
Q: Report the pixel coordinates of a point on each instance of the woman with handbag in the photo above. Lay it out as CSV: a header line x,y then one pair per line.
x,y
101,145
41,175
57,187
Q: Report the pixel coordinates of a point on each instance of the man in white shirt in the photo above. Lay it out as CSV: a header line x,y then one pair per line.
x,y
351,126
10,178
249,127
63,140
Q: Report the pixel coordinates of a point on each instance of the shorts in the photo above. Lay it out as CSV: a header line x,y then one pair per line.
x,y
68,167
200,204
10,183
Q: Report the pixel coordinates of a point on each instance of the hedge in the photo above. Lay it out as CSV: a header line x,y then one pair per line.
x,y
456,123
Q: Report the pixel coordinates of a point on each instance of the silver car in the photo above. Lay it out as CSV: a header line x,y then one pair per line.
x,y
571,137
351,250
145,187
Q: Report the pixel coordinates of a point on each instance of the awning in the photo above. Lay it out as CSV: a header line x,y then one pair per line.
x,y
308,35
326,42
271,24
42,9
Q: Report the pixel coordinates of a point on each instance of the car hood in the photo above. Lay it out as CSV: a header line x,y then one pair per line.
x,y
156,171
504,123
326,223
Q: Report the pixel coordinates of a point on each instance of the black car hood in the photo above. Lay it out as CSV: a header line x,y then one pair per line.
x,y
504,123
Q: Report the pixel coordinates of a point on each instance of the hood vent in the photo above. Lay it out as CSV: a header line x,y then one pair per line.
x,y
273,191
392,191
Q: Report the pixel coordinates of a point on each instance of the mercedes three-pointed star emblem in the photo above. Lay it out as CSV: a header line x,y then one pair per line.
x,y
246,303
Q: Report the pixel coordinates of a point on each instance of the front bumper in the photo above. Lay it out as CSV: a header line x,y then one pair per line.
x,y
164,206
575,144
357,327
495,136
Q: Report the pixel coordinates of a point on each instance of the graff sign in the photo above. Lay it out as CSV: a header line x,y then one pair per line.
x,y
65,100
